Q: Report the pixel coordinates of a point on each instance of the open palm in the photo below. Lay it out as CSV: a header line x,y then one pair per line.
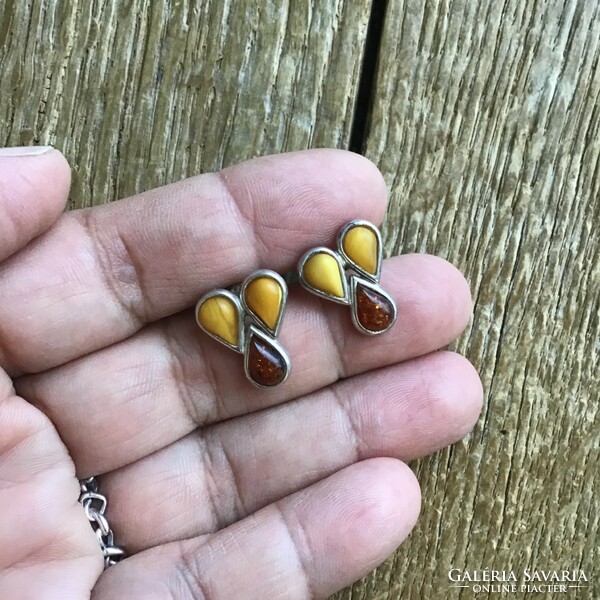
x,y
217,490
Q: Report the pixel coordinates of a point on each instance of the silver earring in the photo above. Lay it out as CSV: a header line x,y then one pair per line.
x,y
351,276
248,322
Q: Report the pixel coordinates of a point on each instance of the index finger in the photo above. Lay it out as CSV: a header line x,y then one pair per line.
x,y
100,274
28,205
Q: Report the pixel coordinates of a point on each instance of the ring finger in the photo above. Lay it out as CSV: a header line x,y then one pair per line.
x,y
223,473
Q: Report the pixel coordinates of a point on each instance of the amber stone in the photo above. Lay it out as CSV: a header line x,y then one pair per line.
x,y
264,296
361,246
323,272
374,311
219,316
266,365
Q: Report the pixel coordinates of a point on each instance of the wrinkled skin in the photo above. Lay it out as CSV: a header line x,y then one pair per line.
x,y
217,490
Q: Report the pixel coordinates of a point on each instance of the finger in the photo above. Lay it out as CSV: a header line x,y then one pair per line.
x,y
43,530
34,184
219,475
161,384
305,546
103,272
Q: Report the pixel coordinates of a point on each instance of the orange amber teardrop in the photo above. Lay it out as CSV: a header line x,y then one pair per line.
x,y
374,311
266,365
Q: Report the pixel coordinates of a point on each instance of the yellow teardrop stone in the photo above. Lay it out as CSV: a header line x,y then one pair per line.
x,y
264,297
322,272
219,316
360,246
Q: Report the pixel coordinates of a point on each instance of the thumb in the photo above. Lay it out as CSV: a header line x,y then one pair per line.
x,y
44,532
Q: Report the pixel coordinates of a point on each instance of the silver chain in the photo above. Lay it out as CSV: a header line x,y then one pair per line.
x,y
94,505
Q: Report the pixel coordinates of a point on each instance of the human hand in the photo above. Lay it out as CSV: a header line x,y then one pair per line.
x,y
216,489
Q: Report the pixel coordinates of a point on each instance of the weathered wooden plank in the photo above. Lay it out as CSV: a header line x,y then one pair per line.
x,y
143,92
486,124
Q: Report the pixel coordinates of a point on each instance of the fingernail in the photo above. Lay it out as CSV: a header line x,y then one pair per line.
x,y
24,151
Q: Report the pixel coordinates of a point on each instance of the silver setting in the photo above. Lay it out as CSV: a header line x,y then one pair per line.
x,y
284,295
240,314
256,331
348,261
322,250
354,282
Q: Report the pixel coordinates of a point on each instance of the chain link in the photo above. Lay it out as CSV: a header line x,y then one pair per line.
x,y
94,505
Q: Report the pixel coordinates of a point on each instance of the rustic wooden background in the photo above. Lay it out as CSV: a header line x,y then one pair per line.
x,y
484,117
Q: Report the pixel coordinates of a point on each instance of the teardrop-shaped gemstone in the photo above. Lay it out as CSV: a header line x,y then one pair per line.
x,y
264,297
265,364
361,247
218,315
374,311
324,273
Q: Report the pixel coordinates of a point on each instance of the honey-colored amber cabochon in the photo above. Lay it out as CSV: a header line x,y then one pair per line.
x,y
374,311
219,316
322,272
264,297
266,365
361,246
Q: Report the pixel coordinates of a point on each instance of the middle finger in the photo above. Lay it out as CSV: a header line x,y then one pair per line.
x,y
131,399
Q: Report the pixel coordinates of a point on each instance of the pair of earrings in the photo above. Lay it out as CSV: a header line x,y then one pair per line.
x,y
248,320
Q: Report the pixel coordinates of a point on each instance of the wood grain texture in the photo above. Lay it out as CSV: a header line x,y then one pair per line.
x,y
138,93
486,125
